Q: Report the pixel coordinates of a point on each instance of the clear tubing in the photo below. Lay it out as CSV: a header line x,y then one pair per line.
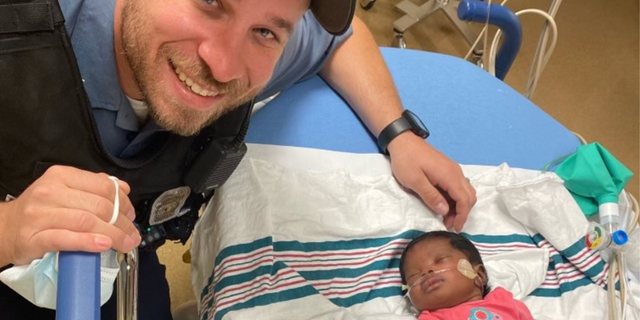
x,y
421,279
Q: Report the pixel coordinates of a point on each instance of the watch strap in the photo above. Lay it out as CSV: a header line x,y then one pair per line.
x,y
391,131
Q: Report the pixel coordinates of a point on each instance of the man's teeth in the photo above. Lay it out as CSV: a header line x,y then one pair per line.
x,y
194,86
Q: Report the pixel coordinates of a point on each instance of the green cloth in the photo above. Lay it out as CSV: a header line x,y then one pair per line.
x,y
593,176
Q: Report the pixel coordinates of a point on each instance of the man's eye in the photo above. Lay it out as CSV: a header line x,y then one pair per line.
x,y
266,33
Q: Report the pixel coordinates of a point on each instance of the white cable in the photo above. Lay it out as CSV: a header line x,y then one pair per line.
x,y
473,46
542,55
633,223
485,59
624,290
537,65
475,43
496,39
116,201
624,286
540,59
611,288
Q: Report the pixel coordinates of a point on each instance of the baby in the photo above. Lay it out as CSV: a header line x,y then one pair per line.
x,y
445,279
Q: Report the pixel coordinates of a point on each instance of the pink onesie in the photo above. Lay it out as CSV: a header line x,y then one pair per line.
x,y
499,304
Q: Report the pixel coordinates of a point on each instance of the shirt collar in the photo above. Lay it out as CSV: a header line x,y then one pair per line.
x,y
90,27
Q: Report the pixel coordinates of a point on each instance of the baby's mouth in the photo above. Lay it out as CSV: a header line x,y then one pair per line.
x,y
431,283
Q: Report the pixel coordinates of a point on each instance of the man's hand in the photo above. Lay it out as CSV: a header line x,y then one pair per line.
x,y
434,177
358,73
67,209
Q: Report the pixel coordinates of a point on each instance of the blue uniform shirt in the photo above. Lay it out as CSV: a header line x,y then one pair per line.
x,y
90,27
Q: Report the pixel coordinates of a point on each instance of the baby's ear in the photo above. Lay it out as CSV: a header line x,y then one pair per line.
x,y
481,279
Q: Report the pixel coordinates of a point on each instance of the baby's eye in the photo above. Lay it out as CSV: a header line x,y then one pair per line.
x,y
442,259
211,1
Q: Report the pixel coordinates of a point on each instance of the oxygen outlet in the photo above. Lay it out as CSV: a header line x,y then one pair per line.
x,y
619,237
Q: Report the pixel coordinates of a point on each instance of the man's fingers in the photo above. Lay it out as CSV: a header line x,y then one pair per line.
x,y
55,240
124,186
448,221
95,183
96,204
123,234
432,197
461,217
464,201
472,192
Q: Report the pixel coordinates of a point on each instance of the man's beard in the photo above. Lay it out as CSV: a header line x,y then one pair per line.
x,y
165,109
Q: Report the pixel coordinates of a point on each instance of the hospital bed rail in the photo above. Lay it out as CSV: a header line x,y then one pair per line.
x,y
501,17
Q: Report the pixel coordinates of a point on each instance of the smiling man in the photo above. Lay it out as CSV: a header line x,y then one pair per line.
x,y
157,81
212,57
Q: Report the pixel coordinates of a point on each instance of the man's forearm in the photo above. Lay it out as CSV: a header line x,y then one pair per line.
x,y
4,254
357,71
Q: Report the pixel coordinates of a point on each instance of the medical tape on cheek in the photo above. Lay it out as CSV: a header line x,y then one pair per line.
x,y
116,201
465,267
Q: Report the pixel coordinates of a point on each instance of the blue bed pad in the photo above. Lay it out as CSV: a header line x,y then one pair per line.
x,y
473,117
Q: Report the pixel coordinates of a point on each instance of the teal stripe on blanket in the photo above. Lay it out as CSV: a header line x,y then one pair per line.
x,y
245,277
263,300
575,248
367,296
574,251
350,273
342,244
499,239
564,288
235,250
389,250
243,248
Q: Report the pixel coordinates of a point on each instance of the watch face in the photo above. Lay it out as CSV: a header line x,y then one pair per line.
x,y
418,127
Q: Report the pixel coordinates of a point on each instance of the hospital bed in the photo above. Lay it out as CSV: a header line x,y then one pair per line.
x,y
473,117
277,245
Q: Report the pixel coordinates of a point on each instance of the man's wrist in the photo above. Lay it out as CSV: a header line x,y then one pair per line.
x,y
400,142
408,122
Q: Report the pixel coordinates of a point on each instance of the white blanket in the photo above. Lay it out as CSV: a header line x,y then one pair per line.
x,y
312,234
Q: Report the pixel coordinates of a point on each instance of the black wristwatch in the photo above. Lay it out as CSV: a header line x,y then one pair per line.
x,y
408,121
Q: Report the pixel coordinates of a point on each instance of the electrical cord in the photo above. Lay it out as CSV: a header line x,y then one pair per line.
x,y
537,63
541,56
485,58
480,35
618,265
496,39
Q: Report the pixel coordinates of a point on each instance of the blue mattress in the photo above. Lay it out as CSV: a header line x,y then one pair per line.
x,y
473,117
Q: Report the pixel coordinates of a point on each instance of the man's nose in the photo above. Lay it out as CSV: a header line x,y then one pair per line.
x,y
223,55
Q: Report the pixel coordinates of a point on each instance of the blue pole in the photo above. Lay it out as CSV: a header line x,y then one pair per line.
x,y
503,18
78,295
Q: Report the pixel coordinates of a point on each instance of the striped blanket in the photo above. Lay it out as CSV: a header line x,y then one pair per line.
x,y
312,234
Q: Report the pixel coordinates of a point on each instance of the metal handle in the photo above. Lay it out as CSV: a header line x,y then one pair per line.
x,y
127,304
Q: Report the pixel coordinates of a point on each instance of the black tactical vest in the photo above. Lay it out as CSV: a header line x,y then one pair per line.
x,y
46,119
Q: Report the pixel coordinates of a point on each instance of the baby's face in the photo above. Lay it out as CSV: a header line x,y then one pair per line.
x,y
437,290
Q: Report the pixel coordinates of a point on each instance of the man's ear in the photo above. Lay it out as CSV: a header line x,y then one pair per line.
x,y
481,280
